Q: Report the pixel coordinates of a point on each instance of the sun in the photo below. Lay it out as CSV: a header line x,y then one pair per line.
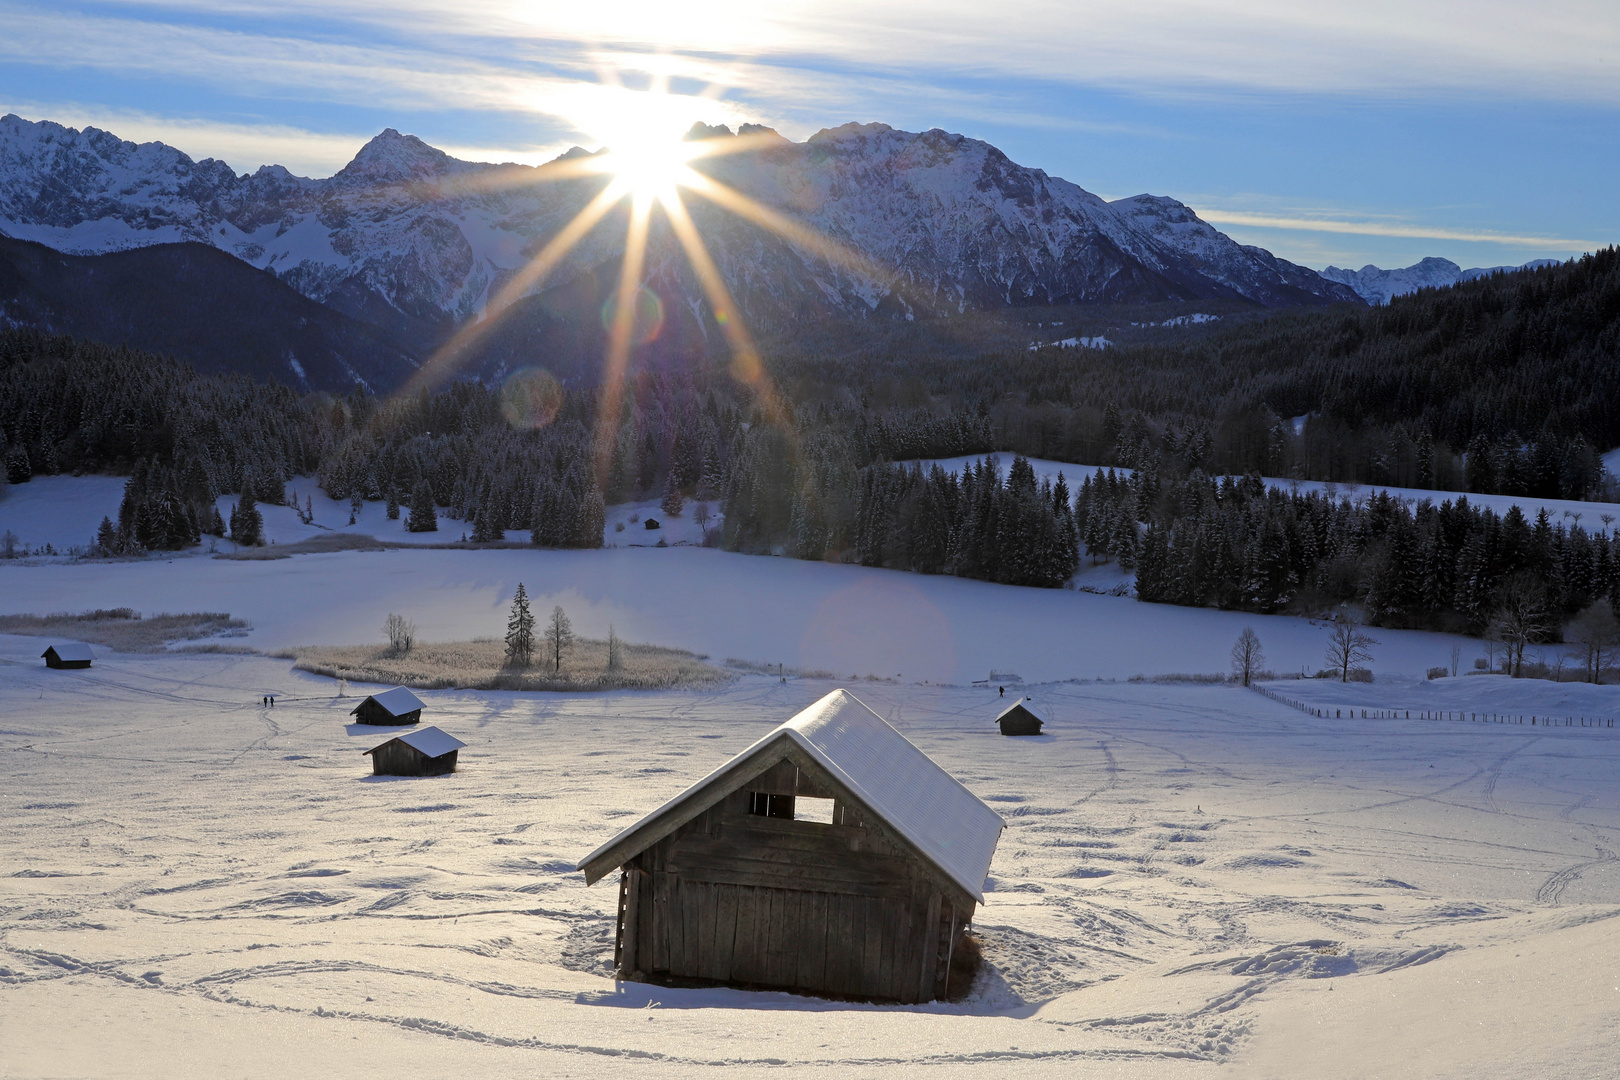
x,y
648,161
649,164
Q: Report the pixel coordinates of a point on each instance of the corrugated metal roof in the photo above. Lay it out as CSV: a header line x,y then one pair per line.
x,y
396,702
72,650
428,741
1029,707
916,798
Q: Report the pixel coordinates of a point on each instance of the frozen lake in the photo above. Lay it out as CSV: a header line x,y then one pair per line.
x,y
847,620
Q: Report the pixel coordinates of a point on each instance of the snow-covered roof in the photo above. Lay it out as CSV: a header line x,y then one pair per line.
x,y
929,808
72,650
395,702
1029,707
428,741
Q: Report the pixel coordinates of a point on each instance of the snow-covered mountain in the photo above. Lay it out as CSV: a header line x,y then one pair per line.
x,y
415,240
1378,286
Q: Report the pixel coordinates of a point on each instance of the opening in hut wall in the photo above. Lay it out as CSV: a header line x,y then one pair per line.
x,y
764,804
780,793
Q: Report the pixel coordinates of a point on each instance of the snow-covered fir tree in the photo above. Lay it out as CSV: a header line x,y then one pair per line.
x,y
520,630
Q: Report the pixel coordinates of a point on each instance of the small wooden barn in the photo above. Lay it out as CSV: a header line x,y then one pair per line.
x,y
832,857
1021,718
391,707
69,654
423,752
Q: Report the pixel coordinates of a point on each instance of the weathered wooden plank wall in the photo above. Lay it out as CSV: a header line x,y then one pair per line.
x,y
735,897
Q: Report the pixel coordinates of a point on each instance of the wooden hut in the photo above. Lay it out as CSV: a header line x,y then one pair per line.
x,y
391,707
423,752
69,654
831,857
1021,718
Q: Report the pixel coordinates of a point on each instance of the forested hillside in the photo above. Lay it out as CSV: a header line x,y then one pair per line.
x,y
201,305
1522,370
1518,369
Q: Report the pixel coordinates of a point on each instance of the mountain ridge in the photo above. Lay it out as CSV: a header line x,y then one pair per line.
x,y
1378,286
410,238
196,303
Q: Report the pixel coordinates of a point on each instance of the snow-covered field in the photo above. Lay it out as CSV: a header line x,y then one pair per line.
x,y
1560,510
1194,881
848,620
64,511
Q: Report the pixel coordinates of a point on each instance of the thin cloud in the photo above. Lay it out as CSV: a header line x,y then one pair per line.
x,y
1561,49
1410,232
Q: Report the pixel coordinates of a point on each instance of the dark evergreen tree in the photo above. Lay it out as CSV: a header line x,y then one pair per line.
x,y
520,630
19,470
106,542
247,524
424,518
672,502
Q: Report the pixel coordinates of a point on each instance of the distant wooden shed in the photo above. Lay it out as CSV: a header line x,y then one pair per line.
x,y
831,857
424,752
1021,718
391,707
69,654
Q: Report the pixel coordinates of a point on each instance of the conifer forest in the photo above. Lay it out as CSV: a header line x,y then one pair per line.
x,y
1506,385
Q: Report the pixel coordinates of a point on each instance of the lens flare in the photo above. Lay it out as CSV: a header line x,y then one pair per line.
x,y
647,315
530,398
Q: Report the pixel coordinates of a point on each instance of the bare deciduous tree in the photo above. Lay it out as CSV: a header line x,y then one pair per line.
x,y
1456,659
559,637
401,634
1247,655
615,659
1348,645
1595,633
1520,619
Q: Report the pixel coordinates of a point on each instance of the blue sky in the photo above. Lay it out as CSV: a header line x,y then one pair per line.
x,y
1379,131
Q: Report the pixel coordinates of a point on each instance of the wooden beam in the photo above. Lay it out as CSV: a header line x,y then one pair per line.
x,y
661,824
873,821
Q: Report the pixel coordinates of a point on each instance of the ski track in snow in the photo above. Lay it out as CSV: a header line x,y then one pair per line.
x,y
1178,861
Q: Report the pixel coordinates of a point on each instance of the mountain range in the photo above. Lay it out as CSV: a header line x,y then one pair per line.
x,y
1380,286
415,242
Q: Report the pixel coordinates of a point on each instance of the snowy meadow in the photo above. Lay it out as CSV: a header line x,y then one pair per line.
x,y
1194,880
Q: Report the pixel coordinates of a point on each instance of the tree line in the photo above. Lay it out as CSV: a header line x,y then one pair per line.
x,y
1237,544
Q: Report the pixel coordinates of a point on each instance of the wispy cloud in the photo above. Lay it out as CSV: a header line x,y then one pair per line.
x,y
502,54
1503,49
1383,228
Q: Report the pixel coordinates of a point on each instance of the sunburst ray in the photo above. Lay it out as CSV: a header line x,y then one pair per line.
x,y
795,232
746,365
452,353
621,337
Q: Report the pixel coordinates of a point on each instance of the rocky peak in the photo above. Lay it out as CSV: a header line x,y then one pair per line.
x,y
392,158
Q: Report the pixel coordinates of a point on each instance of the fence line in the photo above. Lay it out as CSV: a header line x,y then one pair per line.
x,y
1451,715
